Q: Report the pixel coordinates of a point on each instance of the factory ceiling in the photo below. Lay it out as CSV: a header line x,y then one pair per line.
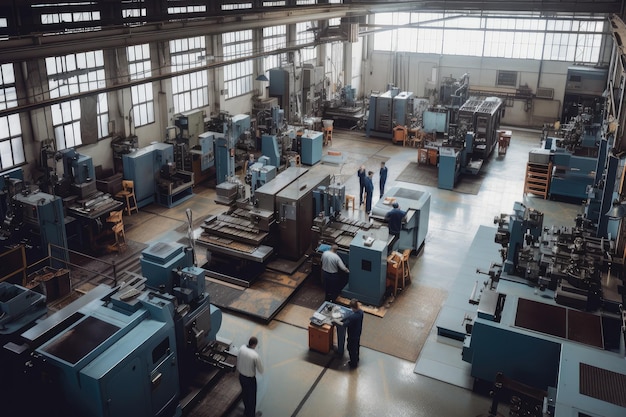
x,y
35,29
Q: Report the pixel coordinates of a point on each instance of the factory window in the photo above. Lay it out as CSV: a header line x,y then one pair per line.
x,y
68,17
273,3
11,144
237,76
334,22
506,79
523,37
236,6
189,91
142,95
305,34
186,9
133,12
83,120
4,23
304,2
274,37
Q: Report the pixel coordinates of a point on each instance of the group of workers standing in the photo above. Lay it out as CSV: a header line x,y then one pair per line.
x,y
366,185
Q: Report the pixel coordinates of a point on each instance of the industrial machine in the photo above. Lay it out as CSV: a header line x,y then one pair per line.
x,y
234,128
344,109
143,167
583,93
516,233
368,269
417,205
174,186
260,173
127,350
546,325
386,110
37,222
11,183
276,137
311,143
193,146
295,213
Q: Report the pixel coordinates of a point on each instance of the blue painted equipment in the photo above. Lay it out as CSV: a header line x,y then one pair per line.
x,y
42,214
417,205
142,167
368,269
19,307
449,168
311,147
387,110
572,175
515,232
436,119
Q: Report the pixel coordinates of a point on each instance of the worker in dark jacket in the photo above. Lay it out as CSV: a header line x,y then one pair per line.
x,y
383,178
369,192
394,219
362,173
353,323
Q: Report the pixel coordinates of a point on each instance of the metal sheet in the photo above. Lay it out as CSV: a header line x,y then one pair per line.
x,y
81,339
541,317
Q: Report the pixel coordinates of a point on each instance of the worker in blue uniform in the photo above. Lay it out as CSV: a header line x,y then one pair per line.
x,y
362,173
383,178
369,192
353,323
394,219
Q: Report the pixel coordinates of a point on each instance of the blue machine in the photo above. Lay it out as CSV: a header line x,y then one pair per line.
x,y
261,173
368,269
387,110
235,127
207,157
143,166
76,167
311,142
513,231
19,307
436,119
449,168
7,181
572,175
416,203
43,213
112,356
269,148
329,199
158,260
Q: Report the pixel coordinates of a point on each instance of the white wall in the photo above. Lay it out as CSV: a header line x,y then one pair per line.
x,y
414,72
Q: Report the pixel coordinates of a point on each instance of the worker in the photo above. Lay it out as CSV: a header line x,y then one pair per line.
x,y
353,323
362,174
248,364
369,192
383,178
394,219
331,264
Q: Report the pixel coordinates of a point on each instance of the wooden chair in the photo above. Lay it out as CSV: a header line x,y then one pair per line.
x,y
115,218
400,134
128,193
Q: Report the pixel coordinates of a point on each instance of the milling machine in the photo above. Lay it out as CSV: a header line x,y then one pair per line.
x,y
387,110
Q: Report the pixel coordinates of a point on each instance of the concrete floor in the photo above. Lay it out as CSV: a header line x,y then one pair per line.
x,y
298,382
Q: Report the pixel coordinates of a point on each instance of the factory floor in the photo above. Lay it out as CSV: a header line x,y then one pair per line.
x,y
299,382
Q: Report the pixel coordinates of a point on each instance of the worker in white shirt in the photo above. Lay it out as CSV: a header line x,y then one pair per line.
x,y
331,264
248,364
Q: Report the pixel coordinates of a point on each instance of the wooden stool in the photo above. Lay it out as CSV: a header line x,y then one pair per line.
x,y
395,272
328,136
128,193
350,199
406,269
